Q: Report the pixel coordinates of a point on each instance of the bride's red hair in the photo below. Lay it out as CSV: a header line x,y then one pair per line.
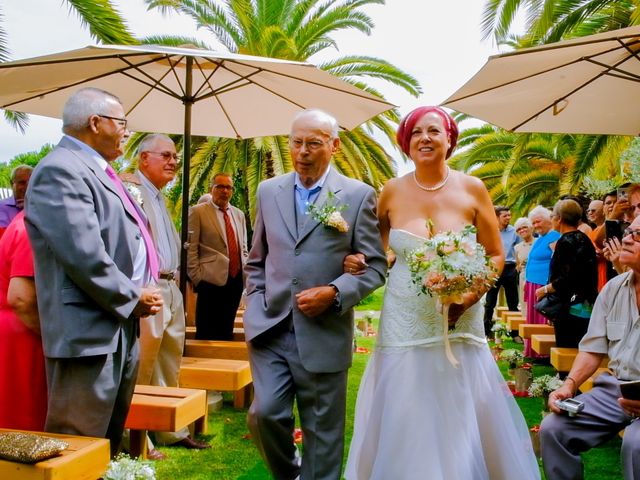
x,y
406,126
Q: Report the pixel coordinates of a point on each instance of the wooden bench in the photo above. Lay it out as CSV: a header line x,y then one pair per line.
x,y
499,311
163,409
562,358
86,458
588,383
527,329
514,321
238,333
216,349
218,374
543,344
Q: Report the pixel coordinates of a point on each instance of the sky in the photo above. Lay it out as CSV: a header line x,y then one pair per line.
x,y
438,42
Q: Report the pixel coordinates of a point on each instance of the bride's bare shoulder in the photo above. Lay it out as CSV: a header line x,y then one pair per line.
x,y
468,181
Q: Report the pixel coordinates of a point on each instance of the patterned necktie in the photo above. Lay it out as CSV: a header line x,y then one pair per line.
x,y
152,255
232,245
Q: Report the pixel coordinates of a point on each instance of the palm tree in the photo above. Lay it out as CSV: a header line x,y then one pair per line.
x,y
522,170
104,23
292,30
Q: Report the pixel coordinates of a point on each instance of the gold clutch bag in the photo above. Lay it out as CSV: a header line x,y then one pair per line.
x,y
28,447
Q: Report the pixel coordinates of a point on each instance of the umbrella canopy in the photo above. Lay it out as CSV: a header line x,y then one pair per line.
x,y
588,85
187,91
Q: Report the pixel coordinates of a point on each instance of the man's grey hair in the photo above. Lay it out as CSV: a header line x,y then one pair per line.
x,y
18,169
149,141
321,116
540,211
221,174
84,103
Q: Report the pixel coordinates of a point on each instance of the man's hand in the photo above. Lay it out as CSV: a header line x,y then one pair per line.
x,y
314,301
150,302
562,393
631,407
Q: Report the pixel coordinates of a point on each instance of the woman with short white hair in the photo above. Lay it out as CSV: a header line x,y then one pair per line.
x,y
537,270
524,229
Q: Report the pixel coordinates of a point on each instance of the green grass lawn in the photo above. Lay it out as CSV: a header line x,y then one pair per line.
x,y
233,456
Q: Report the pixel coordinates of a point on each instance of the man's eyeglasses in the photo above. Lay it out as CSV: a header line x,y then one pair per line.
x,y
223,187
165,155
312,145
591,210
634,232
120,121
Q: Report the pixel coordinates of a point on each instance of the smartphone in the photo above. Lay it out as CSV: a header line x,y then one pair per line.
x,y
630,390
613,228
623,193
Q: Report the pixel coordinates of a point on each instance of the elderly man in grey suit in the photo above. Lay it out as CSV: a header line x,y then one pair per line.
x,y
299,318
93,258
162,335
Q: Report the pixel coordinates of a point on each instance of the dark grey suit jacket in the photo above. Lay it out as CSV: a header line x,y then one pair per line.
x,y
84,243
283,262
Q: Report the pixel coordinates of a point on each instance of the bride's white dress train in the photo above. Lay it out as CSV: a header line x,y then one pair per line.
x,y
418,417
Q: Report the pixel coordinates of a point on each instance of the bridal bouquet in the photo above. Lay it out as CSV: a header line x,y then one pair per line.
x,y
448,265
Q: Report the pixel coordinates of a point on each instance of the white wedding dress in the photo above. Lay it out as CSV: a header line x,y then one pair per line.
x,y
418,417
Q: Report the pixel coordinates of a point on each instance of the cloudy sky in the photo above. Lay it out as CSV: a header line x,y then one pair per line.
x,y
438,42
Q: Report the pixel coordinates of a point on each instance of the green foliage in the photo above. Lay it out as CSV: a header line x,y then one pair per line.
x,y
29,158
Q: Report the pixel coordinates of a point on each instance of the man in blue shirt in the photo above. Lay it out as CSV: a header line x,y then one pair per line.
x,y
509,277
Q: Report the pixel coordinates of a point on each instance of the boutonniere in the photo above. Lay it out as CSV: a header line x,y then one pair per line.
x,y
329,214
135,192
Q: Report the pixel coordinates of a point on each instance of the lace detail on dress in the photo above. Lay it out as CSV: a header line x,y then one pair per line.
x,y
409,318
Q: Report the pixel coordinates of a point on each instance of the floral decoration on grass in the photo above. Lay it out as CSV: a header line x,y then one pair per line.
x,y
512,356
123,467
544,385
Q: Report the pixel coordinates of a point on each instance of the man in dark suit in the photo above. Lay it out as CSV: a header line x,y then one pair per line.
x,y
215,259
299,317
93,259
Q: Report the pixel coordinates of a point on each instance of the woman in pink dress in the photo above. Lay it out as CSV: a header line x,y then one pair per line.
x,y
23,387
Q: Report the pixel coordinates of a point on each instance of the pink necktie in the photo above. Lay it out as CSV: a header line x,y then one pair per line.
x,y
152,255
232,245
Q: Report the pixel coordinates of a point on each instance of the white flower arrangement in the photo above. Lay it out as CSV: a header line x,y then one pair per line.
x,y
544,385
450,264
123,467
512,356
500,329
135,192
329,214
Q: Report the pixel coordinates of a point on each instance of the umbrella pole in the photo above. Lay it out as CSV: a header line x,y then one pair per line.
x,y
186,174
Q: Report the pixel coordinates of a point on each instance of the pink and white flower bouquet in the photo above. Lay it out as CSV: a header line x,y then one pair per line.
x,y
448,265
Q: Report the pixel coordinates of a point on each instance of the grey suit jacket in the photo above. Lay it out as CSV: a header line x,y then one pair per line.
x,y
84,243
283,262
208,255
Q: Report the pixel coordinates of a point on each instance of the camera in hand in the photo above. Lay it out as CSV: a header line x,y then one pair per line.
x,y
570,405
614,228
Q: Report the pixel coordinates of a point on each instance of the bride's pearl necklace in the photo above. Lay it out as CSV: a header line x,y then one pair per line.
x,y
437,186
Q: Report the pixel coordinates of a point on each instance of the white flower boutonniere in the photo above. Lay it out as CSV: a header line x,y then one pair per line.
x,y
135,192
329,214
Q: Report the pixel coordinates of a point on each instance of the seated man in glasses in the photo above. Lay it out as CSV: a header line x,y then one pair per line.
x,y
613,332
215,260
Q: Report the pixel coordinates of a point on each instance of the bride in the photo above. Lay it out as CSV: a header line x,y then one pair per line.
x,y
417,416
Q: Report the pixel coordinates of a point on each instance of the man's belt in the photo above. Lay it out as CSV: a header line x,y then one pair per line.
x,y
167,275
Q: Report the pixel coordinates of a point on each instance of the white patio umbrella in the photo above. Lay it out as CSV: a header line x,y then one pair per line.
x,y
187,91
588,85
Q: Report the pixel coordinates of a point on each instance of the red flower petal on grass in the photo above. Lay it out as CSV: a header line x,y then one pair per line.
x,y
297,436
362,350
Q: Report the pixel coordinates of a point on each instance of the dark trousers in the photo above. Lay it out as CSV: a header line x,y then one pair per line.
x,y
90,396
569,330
509,281
216,309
